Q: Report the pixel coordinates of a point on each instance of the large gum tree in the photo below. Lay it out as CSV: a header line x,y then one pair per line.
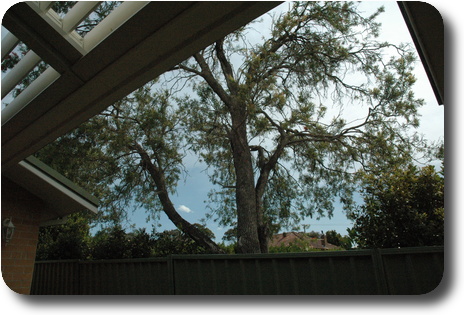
x,y
286,121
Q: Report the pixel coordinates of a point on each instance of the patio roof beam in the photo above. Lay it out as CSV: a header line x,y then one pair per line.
x,y
116,18
44,37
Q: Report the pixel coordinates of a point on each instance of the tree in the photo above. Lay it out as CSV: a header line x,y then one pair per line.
x,y
140,244
110,243
67,241
338,240
133,151
402,208
115,243
176,242
273,127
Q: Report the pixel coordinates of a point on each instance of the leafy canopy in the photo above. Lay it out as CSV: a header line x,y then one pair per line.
x,y
321,103
402,208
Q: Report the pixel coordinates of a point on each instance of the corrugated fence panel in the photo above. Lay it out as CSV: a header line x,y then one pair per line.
x,y
56,277
133,276
413,271
386,271
113,277
315,273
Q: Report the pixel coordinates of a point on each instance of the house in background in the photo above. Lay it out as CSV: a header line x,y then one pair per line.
x,y
302,240
137,42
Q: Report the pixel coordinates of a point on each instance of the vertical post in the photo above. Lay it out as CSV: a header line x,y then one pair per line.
x,y
78,278
171,274
377,260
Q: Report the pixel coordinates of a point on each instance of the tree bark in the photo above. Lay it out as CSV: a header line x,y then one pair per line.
x,y
158,177
265,168
247,227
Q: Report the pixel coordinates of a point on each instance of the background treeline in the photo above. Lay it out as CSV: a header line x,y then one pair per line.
x,y
73,240
403,207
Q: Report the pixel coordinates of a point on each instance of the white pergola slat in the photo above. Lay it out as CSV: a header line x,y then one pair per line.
x,y
138,42
43,6
77,14
9,42
24,66
28,95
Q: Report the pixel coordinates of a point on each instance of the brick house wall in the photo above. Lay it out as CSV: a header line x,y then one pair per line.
x,y
18,256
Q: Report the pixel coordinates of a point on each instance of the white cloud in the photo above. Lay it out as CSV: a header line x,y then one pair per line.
x,y
184,209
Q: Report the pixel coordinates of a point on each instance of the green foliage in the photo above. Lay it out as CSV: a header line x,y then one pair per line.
x,y
67,241
73,241
111,169
306,241
115,243
296,247
176,242
402,208
337,239
110,243
321,62
230,235
140,244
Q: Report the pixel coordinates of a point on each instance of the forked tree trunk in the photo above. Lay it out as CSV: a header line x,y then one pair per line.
x,y
265,168
247,226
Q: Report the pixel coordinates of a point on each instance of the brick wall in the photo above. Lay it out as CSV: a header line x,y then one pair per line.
x,y
18,256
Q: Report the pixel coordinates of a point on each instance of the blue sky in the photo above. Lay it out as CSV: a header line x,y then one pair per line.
x,y
192,191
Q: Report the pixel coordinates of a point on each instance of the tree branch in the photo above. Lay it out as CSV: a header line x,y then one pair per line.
x,y
187,69
226,67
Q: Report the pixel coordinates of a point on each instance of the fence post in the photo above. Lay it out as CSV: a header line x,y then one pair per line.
x,y
79,280
382,283
172,277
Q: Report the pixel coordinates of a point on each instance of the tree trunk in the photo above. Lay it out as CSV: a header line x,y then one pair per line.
x,y
193,232
247,227
263,227
265,168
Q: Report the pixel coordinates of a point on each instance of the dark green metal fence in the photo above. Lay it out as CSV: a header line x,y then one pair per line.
x,y
380,271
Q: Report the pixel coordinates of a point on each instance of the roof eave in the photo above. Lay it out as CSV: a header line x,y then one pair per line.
x,y
426,27
61,196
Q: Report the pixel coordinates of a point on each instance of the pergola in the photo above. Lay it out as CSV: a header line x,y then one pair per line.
x,y
134,44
